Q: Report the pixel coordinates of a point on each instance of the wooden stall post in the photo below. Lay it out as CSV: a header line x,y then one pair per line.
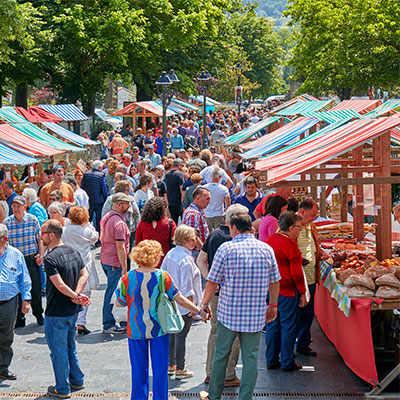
x,y
343,199
383,198
322,198
358,210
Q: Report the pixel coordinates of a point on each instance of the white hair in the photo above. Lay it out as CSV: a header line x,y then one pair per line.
x,y
97,165
58,207
3,231
30,195
234,210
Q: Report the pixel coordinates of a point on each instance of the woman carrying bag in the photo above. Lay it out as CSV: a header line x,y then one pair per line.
x,y
141,290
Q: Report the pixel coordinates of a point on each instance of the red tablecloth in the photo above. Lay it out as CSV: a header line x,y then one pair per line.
x,y
352,336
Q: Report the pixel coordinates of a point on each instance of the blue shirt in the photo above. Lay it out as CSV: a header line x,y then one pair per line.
x,y
251,205
244,269
177,142
154,159
14,276
24,235
39,212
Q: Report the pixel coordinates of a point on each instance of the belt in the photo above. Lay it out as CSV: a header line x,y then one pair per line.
x,y
6,301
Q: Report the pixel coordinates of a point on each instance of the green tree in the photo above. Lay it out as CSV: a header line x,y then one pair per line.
x,y
92,40
344,46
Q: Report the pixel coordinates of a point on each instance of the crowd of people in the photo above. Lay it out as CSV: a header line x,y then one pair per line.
x,y
192,224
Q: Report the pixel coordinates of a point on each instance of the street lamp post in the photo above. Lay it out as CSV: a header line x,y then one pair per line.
x,y
239,88
203,80
165,83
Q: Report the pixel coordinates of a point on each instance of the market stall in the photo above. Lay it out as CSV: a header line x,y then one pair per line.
x,y
360,278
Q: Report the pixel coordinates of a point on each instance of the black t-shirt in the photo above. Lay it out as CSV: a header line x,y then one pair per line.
x,y
214,241
174,181
68,263
162,188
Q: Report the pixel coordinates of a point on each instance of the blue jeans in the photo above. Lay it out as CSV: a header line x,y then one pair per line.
x,y
305,320
60,334
280,335
113,275
139,357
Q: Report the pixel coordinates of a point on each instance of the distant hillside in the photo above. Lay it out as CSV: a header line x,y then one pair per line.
x,y
270,8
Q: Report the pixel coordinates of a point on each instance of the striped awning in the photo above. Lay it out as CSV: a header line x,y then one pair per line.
x,y
66,134
389,107
24,143
361,106
278,138
305,106
67,112
42,136
37,115
332,116
334,144
247,133
185,104
9,115
13,157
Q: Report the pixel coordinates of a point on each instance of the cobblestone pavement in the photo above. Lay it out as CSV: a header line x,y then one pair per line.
x,y
104,359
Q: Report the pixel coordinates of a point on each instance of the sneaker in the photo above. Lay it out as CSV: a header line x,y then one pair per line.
x,y
235,382
203,395
77,387
114,330
274,365
183,374
171,370
53,392
82,330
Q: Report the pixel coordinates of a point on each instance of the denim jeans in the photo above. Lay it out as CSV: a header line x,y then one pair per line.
x,y
305,320
280,335
60,334
113,275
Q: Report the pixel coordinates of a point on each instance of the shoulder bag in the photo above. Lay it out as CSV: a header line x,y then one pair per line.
x,y
169,317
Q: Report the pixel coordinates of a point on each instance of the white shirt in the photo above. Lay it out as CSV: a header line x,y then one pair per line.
x,y
180,265
206,174
81,237
216,207
81,198
141,197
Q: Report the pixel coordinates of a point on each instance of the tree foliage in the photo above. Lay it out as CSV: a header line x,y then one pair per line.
x,y
346,45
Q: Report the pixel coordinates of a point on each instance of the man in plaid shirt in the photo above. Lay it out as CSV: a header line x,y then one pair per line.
x,y
246,271
194,215
24,234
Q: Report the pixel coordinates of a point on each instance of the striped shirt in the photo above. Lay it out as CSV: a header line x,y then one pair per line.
x,y
140,291
244,269
195,217
24,235
14,276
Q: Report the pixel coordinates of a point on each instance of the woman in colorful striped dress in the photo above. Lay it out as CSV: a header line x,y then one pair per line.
x,y
139,290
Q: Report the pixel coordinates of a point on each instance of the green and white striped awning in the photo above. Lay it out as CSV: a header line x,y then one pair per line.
x,y
334,116
306,106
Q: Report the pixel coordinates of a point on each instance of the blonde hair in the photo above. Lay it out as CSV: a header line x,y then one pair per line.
x,y
147,253
183,234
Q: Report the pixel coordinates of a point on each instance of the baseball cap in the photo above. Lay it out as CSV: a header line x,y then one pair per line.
x,y
121,197
20,200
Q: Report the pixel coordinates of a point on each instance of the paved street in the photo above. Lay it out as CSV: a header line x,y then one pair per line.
x,y
105,362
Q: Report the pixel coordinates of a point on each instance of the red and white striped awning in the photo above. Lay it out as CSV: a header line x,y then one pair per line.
x,y
361,106
325,148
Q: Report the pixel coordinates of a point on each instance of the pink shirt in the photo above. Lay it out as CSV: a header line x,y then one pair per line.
x,y
113,228
268,226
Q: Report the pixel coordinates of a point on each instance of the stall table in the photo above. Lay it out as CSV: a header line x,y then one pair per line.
x,y
352,335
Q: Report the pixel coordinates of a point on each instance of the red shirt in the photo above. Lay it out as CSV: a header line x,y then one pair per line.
x,y
289,261
161,233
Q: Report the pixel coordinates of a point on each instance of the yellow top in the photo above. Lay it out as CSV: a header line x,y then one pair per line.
x,y
308,249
